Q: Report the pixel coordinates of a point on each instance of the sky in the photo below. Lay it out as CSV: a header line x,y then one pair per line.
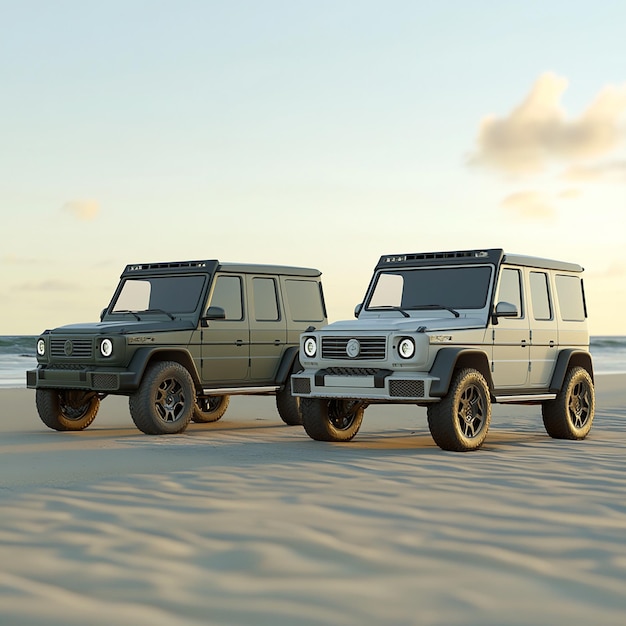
x,y
321,134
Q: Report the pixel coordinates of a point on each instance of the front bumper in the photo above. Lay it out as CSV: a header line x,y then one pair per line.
x,y
105,380
376,385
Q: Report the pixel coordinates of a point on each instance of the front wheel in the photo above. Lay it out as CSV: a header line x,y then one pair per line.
x,y
209,408
570,414
288,405
164,402
67,409
331,419
460,421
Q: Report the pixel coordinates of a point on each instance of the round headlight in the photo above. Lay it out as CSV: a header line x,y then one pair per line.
x,y
310,347
406,348
41,347
106,347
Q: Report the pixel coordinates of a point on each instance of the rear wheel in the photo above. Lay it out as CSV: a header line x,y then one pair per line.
x,y
165,400
288,405
570,414
331,419
67,409
209,408
460,421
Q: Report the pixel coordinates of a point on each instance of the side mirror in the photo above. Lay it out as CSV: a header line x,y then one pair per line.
x,y
357,309
506,309
215,313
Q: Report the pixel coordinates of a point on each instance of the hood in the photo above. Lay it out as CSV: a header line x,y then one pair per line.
x,y
405,324
125,327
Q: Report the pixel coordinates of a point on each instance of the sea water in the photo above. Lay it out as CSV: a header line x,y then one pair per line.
x,y
17,354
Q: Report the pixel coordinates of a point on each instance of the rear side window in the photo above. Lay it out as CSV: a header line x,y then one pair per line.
x,y
540,296
569,290
305,300
265,300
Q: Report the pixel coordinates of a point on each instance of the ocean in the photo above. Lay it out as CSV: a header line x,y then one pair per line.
x,y
17,354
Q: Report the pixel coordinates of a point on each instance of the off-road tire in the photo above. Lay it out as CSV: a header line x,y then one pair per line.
x,y
460,421
288,405
332,419
164,402
209,409
570,415
70,409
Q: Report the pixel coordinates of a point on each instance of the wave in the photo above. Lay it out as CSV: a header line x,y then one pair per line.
x,y
18,345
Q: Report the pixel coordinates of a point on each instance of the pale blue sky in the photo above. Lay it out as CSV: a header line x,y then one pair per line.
x,y
310,133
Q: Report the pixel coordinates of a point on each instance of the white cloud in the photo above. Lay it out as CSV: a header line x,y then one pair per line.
x,y
529,205
538,133
612,171
85,210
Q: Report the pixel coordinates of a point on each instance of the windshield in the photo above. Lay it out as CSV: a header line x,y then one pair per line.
x,y
167,294
448,287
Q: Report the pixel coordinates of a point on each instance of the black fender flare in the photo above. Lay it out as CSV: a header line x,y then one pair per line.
x,y
447,360
144,356
289,362
570,357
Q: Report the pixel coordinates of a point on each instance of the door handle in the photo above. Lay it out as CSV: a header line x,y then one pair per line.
x,y
276,342
551,343
523,344
239,342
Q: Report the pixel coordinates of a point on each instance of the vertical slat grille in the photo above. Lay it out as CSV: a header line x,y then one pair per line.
x,y
70,348
371,348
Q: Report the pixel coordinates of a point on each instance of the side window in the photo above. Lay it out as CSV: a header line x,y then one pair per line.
x,y
305,300
227,294
569,290
540,296
510,289
265,300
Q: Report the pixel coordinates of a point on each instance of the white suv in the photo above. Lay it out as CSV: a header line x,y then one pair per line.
x,y
455,332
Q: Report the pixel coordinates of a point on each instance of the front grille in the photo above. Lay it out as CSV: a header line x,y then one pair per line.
x,y
301,385
71,348
371,348
105,381
406,388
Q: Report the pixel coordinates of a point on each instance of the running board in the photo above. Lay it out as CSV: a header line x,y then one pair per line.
x,y
239,391
542,397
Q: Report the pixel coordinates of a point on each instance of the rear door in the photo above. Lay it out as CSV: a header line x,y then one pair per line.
x,y
268,327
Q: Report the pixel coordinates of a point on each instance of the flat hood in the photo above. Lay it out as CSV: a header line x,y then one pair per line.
x,y
125,327
405,324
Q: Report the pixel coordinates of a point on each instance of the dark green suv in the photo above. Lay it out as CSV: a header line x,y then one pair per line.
x,y
179,339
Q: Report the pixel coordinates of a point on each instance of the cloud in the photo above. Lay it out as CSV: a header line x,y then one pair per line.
x,y
85,210
529,205
538,133
570,194
610,171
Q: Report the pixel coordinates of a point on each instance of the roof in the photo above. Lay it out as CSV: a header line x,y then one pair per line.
x,y
470,257
210,266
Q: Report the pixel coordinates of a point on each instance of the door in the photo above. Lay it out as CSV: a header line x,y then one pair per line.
x,y
268,328
226,342
544,333
511,335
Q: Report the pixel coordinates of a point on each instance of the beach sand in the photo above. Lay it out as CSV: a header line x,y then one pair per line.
x,y
248,521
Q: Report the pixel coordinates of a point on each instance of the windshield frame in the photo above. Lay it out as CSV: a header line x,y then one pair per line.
x,y
419,308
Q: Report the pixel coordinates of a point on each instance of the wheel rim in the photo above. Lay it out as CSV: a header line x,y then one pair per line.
x,y
471,411
342,413
210,404
579,404
70,410
170,400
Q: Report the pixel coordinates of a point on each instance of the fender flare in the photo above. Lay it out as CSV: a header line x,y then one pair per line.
x,y
567,358
144,356
446,362
289,361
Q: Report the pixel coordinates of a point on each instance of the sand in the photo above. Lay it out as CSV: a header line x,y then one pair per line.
x,y
248,521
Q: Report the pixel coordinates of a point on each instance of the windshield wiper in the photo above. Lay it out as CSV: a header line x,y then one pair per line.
x,y
127,311
159,311
437,307
389,308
